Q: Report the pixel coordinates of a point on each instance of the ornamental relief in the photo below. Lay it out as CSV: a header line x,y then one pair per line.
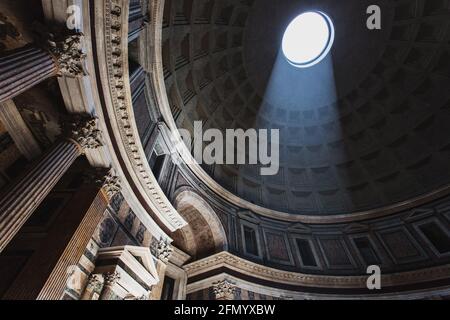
x,y
116,35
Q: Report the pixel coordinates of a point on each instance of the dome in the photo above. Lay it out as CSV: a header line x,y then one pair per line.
x,y
363,129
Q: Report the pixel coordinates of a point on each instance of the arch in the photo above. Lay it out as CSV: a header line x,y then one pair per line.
x,y
204,233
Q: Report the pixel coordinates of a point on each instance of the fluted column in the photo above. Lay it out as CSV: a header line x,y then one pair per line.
x,y
23,68
18,130
162,250
27,193
56,283
53,270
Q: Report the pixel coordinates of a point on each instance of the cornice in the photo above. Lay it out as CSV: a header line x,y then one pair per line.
x,y
284,294
112,31
232,262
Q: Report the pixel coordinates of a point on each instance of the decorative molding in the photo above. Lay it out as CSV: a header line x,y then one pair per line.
x,y
225,259
178,257
114,33
296,295
92,98
136,266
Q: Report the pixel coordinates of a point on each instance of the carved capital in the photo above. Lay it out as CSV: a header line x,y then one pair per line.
x,y
111,278
68,53
94,176
95,282
224,290
103,178
84,131
111,184
161,249
144,296
66,47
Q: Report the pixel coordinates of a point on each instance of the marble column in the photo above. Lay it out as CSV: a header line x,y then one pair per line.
x,y
162,250
57,281
18,130
27,193
23,68
55,273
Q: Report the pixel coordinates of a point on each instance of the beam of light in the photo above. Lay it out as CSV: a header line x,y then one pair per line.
x,y
296,89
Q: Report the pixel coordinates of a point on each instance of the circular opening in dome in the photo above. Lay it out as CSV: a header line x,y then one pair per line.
x,y
308,39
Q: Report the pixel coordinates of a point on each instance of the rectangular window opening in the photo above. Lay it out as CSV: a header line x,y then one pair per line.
x,y
438,238
251,243
306,253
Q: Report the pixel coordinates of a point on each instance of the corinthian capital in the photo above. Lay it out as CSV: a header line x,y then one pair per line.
x,y
65,46
103,178
84,131
144,296
112,184
95,281
161,249
224,290
69,55
111,278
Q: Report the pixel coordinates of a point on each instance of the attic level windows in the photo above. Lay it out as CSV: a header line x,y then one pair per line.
x,y
306,253
251,244
437,236
367,252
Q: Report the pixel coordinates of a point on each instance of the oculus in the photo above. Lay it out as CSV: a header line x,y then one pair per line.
x,y
308,39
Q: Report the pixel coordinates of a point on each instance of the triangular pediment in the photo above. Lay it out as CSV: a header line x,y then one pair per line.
x,y
356,227
417,213
299,227
249,216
